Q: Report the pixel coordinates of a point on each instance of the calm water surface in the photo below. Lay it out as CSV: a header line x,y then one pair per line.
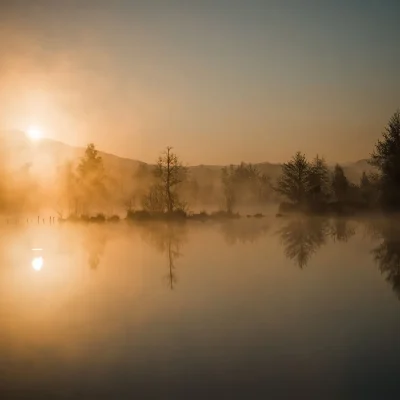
x,y
250,309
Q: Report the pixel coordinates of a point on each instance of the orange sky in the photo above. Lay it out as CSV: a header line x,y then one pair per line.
x,y
220,84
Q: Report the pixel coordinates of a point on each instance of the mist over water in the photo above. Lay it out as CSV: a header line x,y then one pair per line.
x,y
199,199
245,309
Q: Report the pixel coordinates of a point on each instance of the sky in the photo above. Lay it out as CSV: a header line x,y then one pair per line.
x,y
221,81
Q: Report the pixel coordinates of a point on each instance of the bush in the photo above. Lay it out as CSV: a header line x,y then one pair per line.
x,y
224,215
202,216
98,218
177,214
72,218
86,218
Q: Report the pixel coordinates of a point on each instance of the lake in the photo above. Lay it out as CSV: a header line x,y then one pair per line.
x,y
249,309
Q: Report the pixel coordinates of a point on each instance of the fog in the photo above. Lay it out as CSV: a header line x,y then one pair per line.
x,y
43,178
47,178
199,199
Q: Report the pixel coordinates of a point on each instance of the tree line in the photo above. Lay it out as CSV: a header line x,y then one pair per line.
x,y
309,185
304,185
87,189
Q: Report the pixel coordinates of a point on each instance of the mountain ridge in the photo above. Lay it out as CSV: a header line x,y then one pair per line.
x,y
58,152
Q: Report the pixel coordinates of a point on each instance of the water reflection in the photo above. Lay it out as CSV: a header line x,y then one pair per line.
x,y
37,263
94,242
341,230
243,232
302,237
168,238
387,254
63,318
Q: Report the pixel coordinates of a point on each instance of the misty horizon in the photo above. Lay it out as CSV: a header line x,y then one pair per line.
x,y
220,81
45,139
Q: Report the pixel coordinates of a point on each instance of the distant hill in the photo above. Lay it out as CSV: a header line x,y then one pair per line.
x,y
50,153
352,170
47,155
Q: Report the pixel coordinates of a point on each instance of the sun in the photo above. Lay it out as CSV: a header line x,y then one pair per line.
x,y
34,133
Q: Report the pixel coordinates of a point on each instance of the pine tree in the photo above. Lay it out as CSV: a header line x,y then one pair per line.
x,y
386,157
228,183
318,181
340,184
294,181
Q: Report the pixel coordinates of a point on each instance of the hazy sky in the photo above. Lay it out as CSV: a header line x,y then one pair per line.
x,y
221,81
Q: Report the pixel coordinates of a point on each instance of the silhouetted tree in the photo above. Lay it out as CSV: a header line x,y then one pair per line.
x,y
386,157
250,184
91,175
155,200
369,189
244,183
318,181
364,180
340,184
294,181
264,187
91,164
228,184
169,173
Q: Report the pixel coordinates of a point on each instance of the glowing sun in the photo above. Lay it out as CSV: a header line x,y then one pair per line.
x,y
34,133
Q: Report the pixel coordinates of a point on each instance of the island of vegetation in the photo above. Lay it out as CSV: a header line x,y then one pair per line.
x,y
166,190
306,186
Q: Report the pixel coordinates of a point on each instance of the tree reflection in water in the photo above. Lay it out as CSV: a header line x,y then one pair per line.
x,y
387,254
94,242
168,238
341,230
302,237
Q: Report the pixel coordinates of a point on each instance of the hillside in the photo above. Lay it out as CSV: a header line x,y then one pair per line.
x,y
47,155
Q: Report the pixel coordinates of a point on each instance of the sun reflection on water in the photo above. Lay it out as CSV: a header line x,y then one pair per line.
x,y
37,263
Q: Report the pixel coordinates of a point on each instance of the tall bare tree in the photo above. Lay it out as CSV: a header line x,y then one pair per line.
x,y
169,173
228,177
